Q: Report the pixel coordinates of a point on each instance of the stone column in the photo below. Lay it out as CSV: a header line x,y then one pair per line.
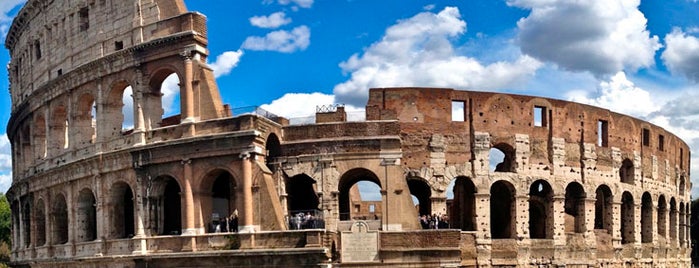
x,y
559,221
589,211
482,215
186,92
521,216
616,223
189,228
248,225
139,119
140,243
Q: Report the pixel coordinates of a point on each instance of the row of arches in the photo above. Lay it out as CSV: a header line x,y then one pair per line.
x,y
77,122
43,222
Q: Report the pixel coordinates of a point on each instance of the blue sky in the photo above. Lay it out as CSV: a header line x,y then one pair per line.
x,y
635,57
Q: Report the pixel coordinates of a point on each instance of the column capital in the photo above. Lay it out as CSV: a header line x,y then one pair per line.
x,y
186,161
245,155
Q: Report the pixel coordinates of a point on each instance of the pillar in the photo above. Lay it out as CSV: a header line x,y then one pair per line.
x,y
521,214
188,228
248,225
616,223
186,92
559,221
140,243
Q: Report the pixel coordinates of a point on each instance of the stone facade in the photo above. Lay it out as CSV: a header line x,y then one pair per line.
x,y
578,186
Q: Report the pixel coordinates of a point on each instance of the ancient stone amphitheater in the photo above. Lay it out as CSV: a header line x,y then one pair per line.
x,y
578,186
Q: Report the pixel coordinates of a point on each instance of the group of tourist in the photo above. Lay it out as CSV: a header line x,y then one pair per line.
x,y
224,225
307,220
434,221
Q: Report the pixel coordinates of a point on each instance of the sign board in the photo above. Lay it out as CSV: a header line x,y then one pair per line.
x,y
359,244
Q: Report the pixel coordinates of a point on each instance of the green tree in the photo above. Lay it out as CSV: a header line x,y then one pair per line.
x,y
5,220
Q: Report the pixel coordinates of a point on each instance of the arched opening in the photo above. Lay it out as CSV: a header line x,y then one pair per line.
x,y
162,108
122,202
662,217
59,220
219,209
274,150
462,213
501,158
626,171
502,210
119,110
127,109
59,128
627,218
27,223
682,225
353,203
85,119
39,133
40,223
540,210
646,218
603,209
422,193
673,219
575,208
682,185
303,203
86,217
167,213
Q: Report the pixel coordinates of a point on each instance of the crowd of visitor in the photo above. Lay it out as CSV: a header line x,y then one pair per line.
x,y
224,225
305,220
434,221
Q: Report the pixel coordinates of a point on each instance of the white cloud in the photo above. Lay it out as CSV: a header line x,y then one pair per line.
x,y
682,54
622,96
7,6
280,41
600,36
418,52
5,163
171,94
301,3
226,62
274,20
288,105
127,110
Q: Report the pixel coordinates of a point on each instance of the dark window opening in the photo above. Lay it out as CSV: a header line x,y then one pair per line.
x,y
540,116
84,19
59,72
646,137
37,49
602,133
458,111
118,45
681,158
661,143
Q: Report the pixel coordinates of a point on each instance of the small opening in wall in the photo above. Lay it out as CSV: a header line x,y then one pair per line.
x,y
661,143
37,49
602,133
458,111
540,116
118,45
646,137
59,72
84,19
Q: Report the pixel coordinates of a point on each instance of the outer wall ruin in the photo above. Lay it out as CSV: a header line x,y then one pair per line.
x,y
578,186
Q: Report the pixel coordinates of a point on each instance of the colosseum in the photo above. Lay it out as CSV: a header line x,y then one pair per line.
x,y
577,186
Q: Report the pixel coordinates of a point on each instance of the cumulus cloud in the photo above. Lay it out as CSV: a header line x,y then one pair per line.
x,y
5,163
171,95
274,20
418,52
300,3
226,62
6,7
600,36
288,106
281,41
681,55
620,95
